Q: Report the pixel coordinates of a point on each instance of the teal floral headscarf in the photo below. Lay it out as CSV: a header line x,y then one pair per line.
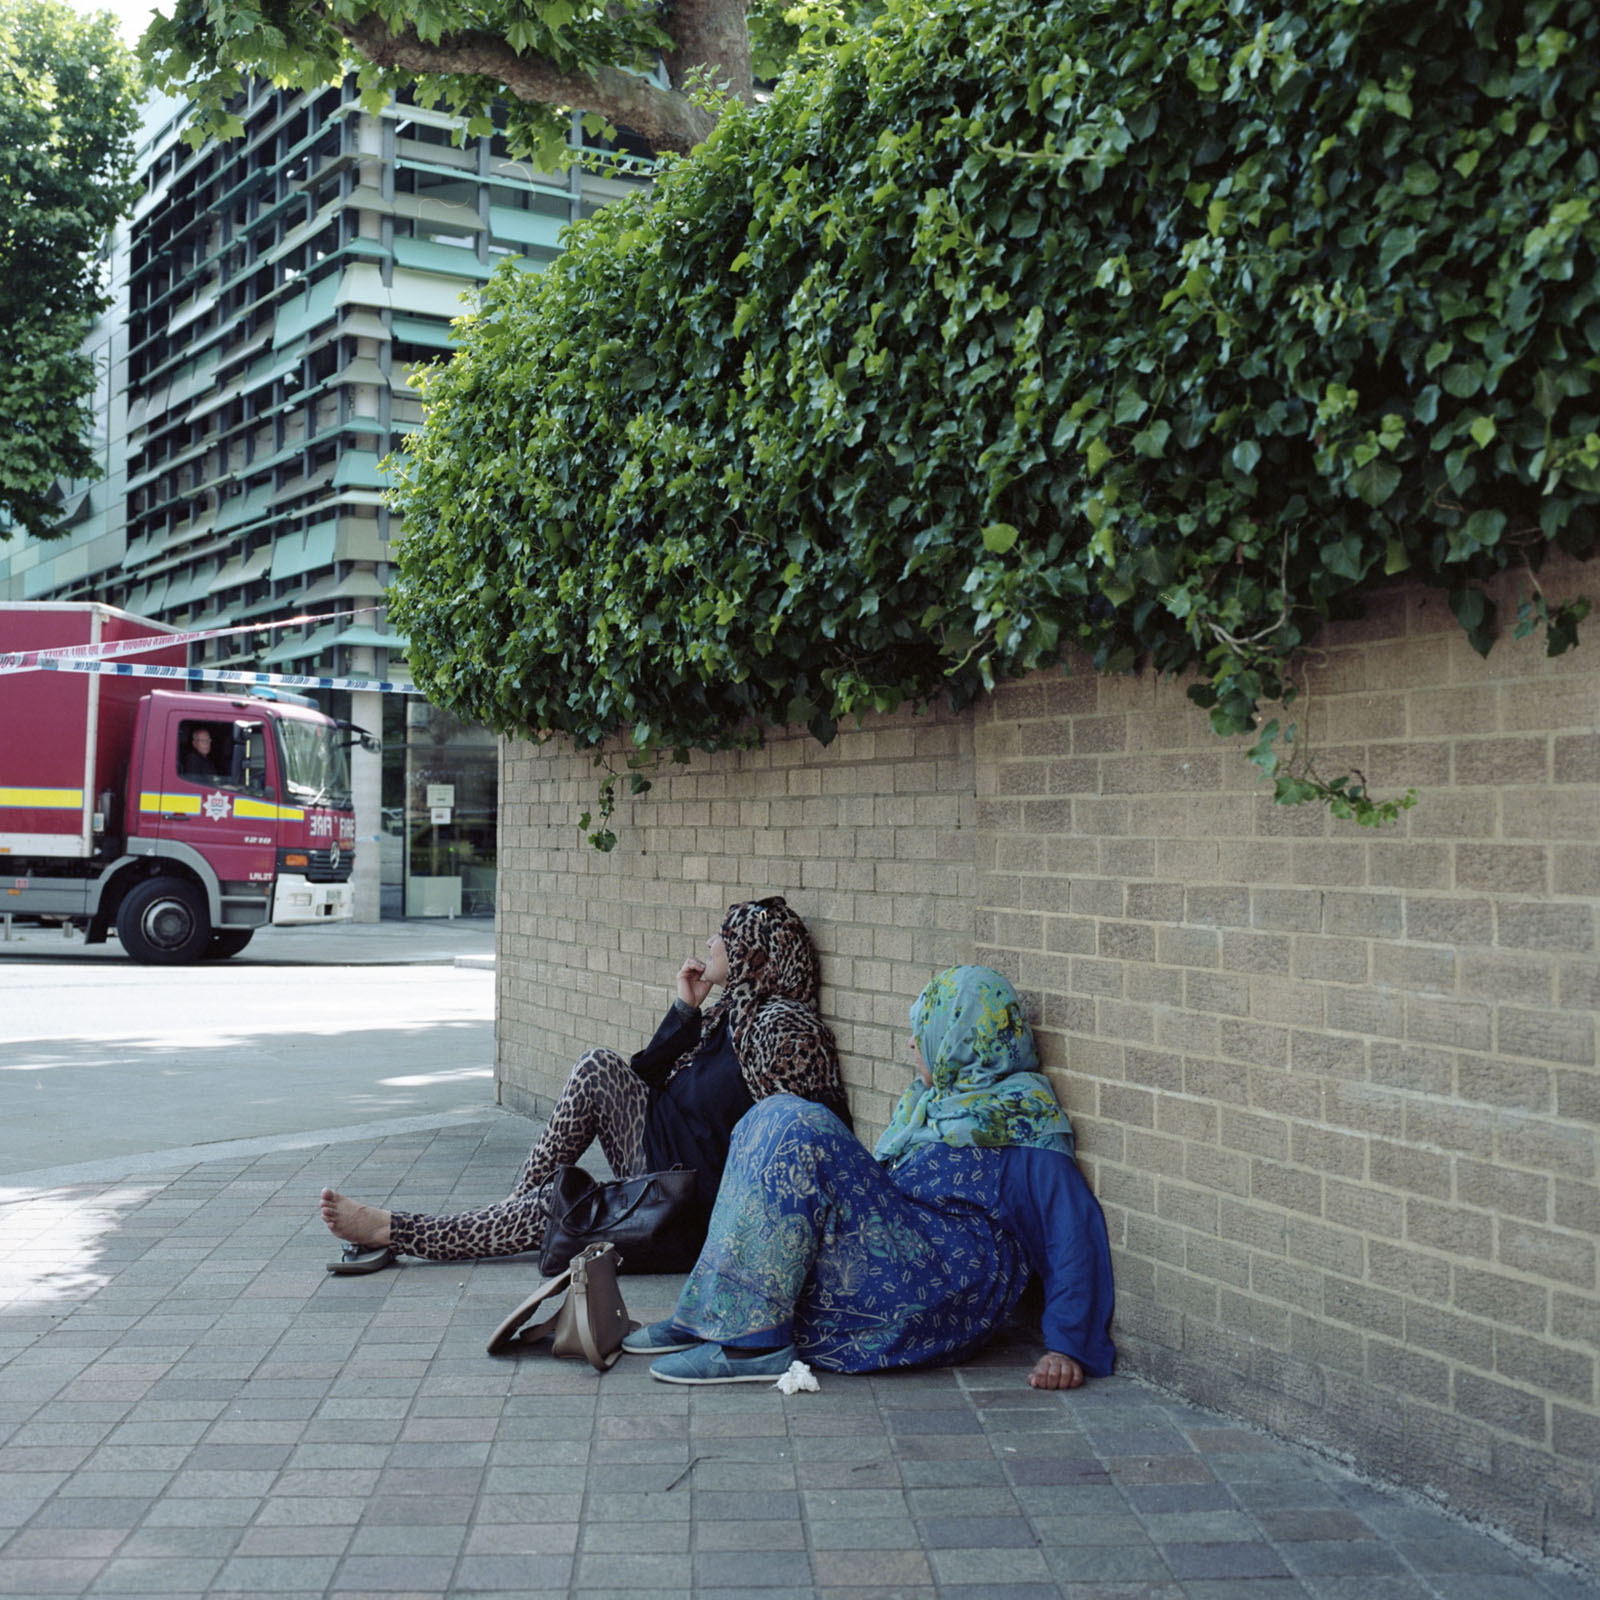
x,y
986,1089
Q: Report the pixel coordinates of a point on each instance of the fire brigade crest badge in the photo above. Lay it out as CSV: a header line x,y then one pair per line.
x,y
218,807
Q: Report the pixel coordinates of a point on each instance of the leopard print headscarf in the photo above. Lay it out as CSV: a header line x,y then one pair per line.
x,y
770,1004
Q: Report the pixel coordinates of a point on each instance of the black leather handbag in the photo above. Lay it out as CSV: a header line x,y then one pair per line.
x,y
654,1220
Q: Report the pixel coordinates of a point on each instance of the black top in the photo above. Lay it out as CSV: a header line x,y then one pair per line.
x,y
690,1119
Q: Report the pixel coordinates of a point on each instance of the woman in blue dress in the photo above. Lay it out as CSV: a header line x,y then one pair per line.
x,y
912,1254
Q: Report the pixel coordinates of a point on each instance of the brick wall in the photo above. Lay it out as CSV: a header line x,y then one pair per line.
x,y
872,839
1336,1089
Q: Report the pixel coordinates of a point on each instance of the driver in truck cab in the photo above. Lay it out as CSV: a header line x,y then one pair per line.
x,y
196,760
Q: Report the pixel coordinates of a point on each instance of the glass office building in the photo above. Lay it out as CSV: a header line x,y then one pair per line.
x,y
272,294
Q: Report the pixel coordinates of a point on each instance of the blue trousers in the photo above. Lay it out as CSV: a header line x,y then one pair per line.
x,y
812,1241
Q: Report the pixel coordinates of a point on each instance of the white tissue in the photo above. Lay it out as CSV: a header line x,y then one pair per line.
x,y
799,1378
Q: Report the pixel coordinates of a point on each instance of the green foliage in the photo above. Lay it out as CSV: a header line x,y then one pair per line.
x,y
1157,330
786,33
68,113
1295,781
1560,625
597,828
207,49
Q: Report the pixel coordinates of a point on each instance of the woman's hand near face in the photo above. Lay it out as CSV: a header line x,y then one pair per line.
x,y
693,986
1055,1371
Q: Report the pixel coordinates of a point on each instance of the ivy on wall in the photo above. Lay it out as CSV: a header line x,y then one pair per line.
x,y
1161,330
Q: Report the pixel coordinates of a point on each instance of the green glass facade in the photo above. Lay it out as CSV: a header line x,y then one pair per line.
x,y
272,295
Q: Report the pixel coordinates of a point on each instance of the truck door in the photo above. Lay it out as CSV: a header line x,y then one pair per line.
x,y
218,791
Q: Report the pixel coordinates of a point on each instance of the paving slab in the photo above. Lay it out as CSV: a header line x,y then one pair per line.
x,y
191,1405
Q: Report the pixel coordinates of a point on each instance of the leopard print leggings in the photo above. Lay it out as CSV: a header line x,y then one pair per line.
x,y
603,1097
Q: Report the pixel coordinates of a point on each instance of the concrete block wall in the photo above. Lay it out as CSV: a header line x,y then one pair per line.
x,y
1336,1088
872,840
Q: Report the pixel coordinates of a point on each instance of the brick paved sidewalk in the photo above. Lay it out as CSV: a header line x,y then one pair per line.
x,y
190,1406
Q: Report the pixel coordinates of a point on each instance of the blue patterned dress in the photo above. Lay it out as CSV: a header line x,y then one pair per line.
x,y
812,1240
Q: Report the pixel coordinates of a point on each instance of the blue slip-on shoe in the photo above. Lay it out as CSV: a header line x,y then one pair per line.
x,y
662,1338
710,1363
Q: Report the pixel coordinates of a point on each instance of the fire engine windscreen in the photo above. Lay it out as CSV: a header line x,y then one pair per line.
x,y
316,769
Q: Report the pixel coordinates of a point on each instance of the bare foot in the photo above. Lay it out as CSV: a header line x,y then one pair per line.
x,y
357,1223
1055,1371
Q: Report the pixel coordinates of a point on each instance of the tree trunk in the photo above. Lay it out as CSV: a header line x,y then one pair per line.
x,y
711,33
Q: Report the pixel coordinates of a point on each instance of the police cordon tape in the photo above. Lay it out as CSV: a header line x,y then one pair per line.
x,y
110,649
264,680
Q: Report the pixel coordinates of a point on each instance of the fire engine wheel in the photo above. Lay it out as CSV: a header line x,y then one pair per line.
x,y
163,922
227,942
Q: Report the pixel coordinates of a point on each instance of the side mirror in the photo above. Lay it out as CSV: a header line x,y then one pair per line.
x,y
368,742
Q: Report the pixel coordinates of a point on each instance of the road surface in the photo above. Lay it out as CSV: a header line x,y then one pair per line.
x,y
102,1059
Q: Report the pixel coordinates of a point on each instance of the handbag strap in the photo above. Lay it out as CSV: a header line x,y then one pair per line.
x,y
585,1320
590,1198
532,1333
549,1287
578,1293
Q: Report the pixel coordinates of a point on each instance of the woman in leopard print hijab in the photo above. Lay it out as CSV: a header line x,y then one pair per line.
x,y
674,1103
769,1005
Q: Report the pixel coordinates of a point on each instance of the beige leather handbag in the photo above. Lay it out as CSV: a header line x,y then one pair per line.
x,y
590,1323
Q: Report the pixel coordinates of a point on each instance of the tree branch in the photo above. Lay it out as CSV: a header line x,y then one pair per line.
x,y
667,119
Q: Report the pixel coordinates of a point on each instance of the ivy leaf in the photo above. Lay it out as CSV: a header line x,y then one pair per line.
x,y
1562,629
1420,178
640,373
998,537
1484,527
1546,393
1473,610
1261,753
1398,243
1345,557
1376,481
1151,442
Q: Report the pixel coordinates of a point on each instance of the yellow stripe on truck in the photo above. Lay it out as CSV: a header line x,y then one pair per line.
x,y
43,799
266,811
188,804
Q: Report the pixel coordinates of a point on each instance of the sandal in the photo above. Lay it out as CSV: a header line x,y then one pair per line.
x,y
362,1258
